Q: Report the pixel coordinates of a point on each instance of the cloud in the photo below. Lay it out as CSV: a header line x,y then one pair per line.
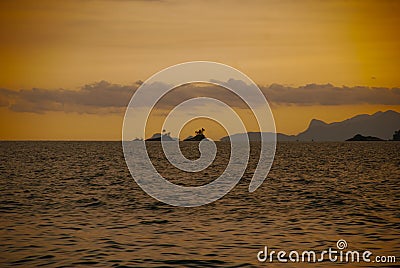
x,y
328,94
100,97
3,98
104,97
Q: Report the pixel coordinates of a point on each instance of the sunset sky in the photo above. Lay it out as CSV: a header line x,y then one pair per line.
x,y
69,68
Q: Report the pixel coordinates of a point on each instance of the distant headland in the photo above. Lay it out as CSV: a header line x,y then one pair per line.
x,y
380,125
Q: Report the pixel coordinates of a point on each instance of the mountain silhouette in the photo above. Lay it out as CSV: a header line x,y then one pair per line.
x,y
381,125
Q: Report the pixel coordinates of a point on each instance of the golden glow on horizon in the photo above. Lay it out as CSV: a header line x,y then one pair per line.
x,y
50,44
73,126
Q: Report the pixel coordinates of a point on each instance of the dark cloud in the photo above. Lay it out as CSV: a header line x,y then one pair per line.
x,y
104,97
4,97
327,94
100,97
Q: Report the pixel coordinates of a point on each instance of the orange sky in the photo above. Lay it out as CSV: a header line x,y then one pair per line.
x,y
52,45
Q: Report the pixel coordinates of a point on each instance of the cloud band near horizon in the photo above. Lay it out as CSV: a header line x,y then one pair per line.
x,y
105,97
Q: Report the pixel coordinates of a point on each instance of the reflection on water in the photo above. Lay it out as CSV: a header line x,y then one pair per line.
x,y
66,204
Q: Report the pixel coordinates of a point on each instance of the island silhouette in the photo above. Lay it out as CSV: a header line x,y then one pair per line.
x,y
166,136
198,137
360,137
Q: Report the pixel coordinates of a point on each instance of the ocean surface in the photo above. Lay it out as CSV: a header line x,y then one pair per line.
x,y
75,204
